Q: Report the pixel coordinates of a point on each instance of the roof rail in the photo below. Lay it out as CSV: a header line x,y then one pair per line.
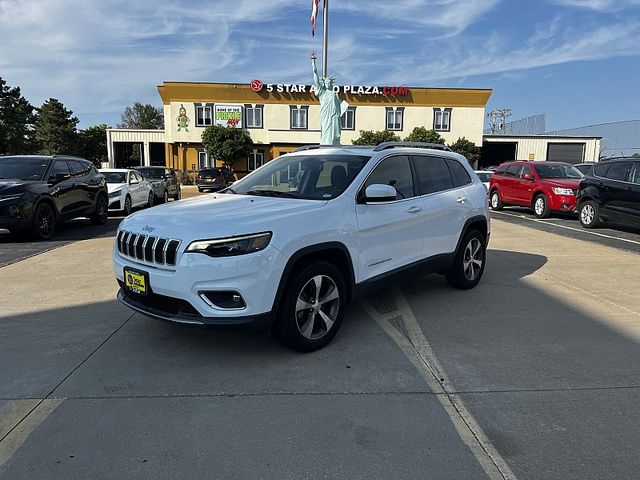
x,y
435,146
316,147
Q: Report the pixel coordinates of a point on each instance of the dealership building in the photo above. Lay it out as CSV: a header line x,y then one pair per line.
x,y
282,117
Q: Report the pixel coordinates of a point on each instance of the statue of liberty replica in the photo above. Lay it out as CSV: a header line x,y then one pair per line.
x,y
329,106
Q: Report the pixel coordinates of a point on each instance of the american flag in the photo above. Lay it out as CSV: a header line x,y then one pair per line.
x,y
315,6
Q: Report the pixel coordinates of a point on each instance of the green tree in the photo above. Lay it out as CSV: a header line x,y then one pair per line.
x,y
92,143
16,120
55,129
421,134
143,116
369,137
466,148
636,155
226,143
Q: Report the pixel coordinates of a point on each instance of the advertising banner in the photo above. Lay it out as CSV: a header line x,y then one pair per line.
x,y
228,115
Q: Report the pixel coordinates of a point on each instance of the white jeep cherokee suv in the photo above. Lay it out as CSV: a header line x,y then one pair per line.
x,y
288,246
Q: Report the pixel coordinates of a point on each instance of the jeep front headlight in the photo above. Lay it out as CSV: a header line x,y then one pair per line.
x,y
231,246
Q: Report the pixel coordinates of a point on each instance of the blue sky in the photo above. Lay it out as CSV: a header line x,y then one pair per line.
x,y
576,60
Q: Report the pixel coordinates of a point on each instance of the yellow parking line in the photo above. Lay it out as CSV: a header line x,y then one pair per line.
x,y
18,419
419,352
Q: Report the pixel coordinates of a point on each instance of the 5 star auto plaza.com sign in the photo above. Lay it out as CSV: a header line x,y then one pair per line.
x,y
258,86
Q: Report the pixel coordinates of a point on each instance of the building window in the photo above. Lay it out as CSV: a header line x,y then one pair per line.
x,y
394,118
299,117
255,160
348,119
253,116
204,115
203,159
442,119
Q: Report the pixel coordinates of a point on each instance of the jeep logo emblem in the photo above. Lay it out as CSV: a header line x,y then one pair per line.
x,y
148,229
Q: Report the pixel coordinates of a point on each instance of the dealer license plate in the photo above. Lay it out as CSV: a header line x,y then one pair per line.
x,y
136,281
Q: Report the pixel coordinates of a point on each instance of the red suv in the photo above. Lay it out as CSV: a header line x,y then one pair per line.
x,y
544,186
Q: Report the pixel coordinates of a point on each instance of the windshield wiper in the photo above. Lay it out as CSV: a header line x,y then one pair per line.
x,y
271,193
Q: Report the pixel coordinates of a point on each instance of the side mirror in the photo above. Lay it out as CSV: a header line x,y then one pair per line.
x,y
379,193
133,181
60,177
527,176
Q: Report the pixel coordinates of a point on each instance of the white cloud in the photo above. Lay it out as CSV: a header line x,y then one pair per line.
x,y
599,5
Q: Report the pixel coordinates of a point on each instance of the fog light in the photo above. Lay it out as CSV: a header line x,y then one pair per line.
x,y
227,300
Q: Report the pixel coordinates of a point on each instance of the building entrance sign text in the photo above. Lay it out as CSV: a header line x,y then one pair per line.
x,y
257,86
228,116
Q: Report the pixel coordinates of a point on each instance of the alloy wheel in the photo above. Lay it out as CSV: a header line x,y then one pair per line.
x,y
587,214
539,206
472,260
46,222
102,210
317,307
495,200
165,198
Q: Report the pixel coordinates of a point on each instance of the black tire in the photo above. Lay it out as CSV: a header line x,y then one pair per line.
x,y
152,197
44,222
495,201
465,273
127,206
101,215
589,214
165,196
291,321
178,195
200,189
541,206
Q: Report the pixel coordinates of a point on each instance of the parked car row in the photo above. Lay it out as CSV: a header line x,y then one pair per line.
x,y
37,192
598,192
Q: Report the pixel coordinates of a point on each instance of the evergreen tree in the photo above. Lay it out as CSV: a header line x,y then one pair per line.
x,y
142,116
55,129
92,144
421,134
226,143
369,137
16,120
466,148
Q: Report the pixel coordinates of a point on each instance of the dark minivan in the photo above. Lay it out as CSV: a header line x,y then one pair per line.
x,y
37,192
611,193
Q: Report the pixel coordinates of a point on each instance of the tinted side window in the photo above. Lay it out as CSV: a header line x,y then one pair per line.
x,y
458,173
618,171
526,169
513,170
77,169
601,169
500,170
394,171
433,174
60,168
635,174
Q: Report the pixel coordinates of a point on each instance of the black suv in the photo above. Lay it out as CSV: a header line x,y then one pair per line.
x,y
214,179
164,182
36,192
610,193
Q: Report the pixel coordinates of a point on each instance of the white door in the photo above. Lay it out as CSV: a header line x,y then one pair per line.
x,y
391,234
138,193
446,204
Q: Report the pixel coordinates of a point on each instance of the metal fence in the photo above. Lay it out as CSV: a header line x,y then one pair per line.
x,y
534,125
619,139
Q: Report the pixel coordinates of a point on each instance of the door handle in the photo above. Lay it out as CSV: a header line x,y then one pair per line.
x,y
461,199
414,210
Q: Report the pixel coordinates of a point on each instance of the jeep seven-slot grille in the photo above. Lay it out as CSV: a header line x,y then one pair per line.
x,y
147,248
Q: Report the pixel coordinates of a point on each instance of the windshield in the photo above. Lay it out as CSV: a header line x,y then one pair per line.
x,y
115,177
152,173
23,168
484,177
320,177
558,171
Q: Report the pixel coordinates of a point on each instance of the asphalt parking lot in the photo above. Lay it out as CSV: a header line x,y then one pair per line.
x,y
533,374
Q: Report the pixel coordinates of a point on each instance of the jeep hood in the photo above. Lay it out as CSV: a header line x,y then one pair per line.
x,y
219,215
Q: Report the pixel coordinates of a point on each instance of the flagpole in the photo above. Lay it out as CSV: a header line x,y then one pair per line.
x,y
325,39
